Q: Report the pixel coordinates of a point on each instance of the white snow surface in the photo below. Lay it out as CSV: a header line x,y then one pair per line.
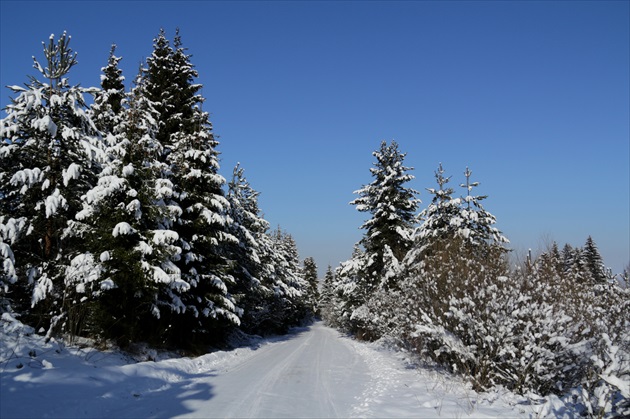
x,y
312,372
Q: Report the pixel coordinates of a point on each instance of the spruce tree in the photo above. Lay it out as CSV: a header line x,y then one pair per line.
x,y
49,156
594,262
462,225
475,223
250,267
309,272
160,86
349,290
124,219
191,164
436,218
287,306
326,296
567,254
107,109
392,206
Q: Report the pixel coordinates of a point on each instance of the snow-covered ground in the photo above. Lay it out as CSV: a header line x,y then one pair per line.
x,y
312,372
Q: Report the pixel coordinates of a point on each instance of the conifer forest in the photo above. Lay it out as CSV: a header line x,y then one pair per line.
x,y
117,225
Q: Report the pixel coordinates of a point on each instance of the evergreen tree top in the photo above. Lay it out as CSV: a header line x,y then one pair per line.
x,y
59,59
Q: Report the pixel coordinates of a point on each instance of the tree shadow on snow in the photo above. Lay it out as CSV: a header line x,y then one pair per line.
x,y
84,390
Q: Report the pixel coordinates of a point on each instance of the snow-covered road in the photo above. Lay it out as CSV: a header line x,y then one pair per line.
x,y
311,372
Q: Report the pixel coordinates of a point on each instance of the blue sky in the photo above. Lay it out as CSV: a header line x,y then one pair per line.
x,y
533,96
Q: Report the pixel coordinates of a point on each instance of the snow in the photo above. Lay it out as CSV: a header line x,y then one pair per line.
x,y
27,177
311,372
122,229
43,286
45,124
128,170
73,172
54,202
161,237
82,270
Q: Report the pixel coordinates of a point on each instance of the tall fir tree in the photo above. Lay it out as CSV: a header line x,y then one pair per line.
x,y
567,254
49,155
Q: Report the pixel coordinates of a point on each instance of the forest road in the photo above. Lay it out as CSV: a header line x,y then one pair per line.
x,y
311,373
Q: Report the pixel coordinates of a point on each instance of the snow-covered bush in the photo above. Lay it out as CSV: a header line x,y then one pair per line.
x,y
530,330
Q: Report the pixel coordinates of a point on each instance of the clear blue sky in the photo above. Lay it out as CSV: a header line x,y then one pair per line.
x,y
533,96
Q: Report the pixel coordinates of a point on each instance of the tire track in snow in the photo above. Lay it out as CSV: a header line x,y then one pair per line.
x,y
254,398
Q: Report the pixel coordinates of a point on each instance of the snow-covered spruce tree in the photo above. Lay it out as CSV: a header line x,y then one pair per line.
x,y
346,297
309,273
107,109
594,262
447,218
191,164
436,219
474,223
624,277
49,155
170,77
567,255
280,302
326,296
251,267
125,220
392,206
204,224
578,342
290,288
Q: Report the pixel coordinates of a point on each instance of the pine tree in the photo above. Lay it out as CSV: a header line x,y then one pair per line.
x,y
49,156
